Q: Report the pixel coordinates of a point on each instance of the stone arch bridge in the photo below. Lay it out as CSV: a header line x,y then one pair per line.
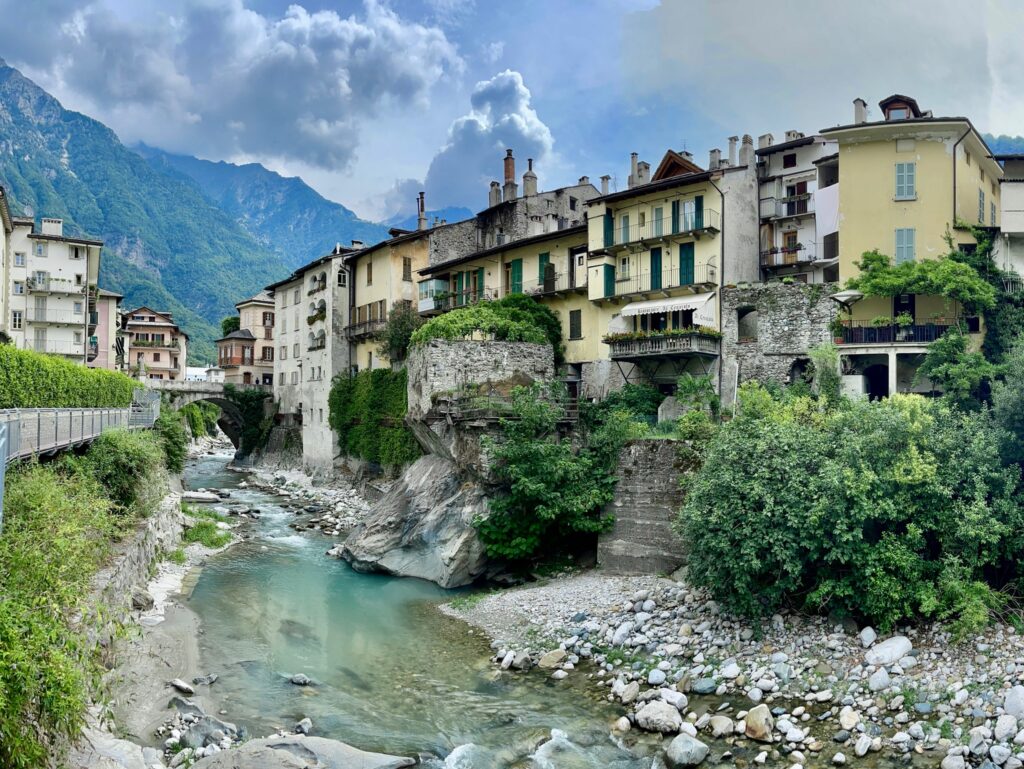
x,y
183,392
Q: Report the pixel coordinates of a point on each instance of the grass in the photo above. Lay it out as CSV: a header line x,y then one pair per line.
x,y
176,556
204,513
206,533
467,601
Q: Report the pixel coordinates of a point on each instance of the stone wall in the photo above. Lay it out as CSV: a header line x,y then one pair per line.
x,y
647,499
444,367
771,345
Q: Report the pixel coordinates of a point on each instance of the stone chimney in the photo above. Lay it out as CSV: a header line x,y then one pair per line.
x,y
494,194
764,141
510,191
747,151
732,149
643,172
793,135
421,213
529,180
604,184
860,111
583,180
714,159
53,227
633,170
355,244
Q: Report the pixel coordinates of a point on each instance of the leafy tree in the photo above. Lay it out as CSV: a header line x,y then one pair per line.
x,y
230,324
965,377
945,276
1008,402
825,360
394,338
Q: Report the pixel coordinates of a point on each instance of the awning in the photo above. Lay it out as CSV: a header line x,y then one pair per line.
x,y
847,298
695,302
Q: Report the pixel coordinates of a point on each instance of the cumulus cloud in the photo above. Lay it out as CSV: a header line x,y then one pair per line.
x,y
500,117
216,78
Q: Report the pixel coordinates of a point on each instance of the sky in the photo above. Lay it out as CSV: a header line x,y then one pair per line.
x,y
371,101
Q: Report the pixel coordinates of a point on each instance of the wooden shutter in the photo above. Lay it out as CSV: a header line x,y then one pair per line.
x,y
655,269
609,280
698,213
517,276
480,283
575,324
675,216
542,265
609,229
686,264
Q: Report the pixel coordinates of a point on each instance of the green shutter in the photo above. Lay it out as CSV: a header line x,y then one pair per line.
x,y
686,264
675,216
479,283
460,284
542,265
516,277
609,229
698,212
609,280
655,269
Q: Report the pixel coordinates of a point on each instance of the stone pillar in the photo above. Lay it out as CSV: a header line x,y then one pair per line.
x,y
892,372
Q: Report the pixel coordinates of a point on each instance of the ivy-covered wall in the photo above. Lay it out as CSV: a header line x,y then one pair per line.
x,y
368,413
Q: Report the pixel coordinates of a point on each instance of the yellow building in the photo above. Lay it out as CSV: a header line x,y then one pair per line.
x,y
382,277
905,183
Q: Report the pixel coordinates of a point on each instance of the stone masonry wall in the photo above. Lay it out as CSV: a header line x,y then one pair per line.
x,y
791,319
647,499
442,366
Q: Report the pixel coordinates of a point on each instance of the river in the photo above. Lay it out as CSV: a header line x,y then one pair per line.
x,y
391,673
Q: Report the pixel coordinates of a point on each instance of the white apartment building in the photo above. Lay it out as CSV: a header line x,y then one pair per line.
x,y
311,309
1009,243
51,290
799,207
6,228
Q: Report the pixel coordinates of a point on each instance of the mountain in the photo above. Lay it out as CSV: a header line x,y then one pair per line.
x,y
1005,145
284,214
449,214
166,245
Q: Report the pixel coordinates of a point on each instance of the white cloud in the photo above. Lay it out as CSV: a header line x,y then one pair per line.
x,y
500,117
215,78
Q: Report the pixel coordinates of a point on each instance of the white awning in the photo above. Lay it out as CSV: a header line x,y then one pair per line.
x,y
847,298
651,306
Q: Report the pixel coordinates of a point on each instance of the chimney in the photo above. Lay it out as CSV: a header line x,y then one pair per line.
x,y
421,213
764,141
714,159
643,172
860,111
604,184
793,135
337,247
529,180
583,180
732,149
747,151
53,227
510,190
632,169
494,194
355,244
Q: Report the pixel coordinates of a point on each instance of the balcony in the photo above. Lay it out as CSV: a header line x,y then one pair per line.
x,y
689,223
789,206
649,282
55,347
54,286
857,332
64,317
556,283
443,301
318,345
665,344
93,351
365,329
231,361
788,257
159,344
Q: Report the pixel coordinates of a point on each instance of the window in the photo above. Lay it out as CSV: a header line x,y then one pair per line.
x,y
624,228
78,308
284,352
268,319
295,296
572,203
581,260
16,320
407,269
369,273
981,206
19,287
624,267
967,157
906,181
658,214
79,279
295,350
904,245
789,160
642,219
39,249
789,241
900,113
280,378
295,377
992,207
575,324
981,174
342,277
284,324
19,258
156,357
78,337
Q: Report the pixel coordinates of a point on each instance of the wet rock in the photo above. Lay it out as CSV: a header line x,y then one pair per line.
x,y
202,731
552,659
205,680
185,707
862,746
659,716
305,726
630,692
299,752
182,687
705,686
301,679
721,726
684,751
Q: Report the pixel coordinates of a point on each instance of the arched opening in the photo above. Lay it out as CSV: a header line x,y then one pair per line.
x,y
746,324
230,421
321,306
800,371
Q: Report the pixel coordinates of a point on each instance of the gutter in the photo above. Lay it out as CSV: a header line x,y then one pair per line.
x,y
955,145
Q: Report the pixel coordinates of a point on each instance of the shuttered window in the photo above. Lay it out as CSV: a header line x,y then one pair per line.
x,y
981,206
906,181
575,324
904,245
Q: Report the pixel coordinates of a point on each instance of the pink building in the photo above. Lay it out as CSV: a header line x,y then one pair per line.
x,y
106,345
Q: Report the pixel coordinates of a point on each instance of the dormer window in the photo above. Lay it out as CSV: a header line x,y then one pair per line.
x,y
897,113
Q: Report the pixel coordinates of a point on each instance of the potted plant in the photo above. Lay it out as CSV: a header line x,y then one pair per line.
x,y
904,319
838,328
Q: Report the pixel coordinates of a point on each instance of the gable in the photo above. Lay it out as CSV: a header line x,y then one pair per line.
x,y
675,164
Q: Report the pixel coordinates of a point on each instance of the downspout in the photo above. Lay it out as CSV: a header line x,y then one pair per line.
x,y
955,145
721,278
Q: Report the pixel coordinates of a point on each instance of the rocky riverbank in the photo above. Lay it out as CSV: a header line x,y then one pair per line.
x,y
795,690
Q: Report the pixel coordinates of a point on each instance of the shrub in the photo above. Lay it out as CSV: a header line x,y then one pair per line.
x,y
31,380
229,324
125,462
825,362
864,509
205,531
1008,402
394,339
170,432
368,411
638,399
964,377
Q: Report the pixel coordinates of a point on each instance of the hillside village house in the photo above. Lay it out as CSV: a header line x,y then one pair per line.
x,y
158,347
108,339
905,182
247,355
6,228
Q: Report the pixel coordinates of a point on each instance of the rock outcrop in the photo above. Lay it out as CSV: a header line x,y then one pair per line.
x,y
423,527
299,752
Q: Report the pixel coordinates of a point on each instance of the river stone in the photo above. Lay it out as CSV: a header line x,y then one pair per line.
x,y
622,633
999,754
759,723
705,686
953,762
879,680
630,692
182,687
685,750
862,746
305,726
202,731
185,707
656,677
720,726
1014,702
1006,728
867,636
658,716
551,659
423,527
301,679
298,752
889,651
848,718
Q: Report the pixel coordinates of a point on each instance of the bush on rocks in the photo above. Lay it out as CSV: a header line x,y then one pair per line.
x,y
124,462
883,510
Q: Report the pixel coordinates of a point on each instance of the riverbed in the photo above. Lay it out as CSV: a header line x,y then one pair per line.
x,y
390,672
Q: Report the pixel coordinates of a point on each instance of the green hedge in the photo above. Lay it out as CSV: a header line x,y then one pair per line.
x,y
31,380
368,411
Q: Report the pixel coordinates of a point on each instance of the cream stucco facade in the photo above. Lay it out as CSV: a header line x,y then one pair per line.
x,y
157,346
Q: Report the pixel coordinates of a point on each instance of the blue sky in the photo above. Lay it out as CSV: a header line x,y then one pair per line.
x,y
370,101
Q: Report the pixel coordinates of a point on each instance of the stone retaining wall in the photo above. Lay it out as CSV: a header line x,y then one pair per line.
x,y
647,499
